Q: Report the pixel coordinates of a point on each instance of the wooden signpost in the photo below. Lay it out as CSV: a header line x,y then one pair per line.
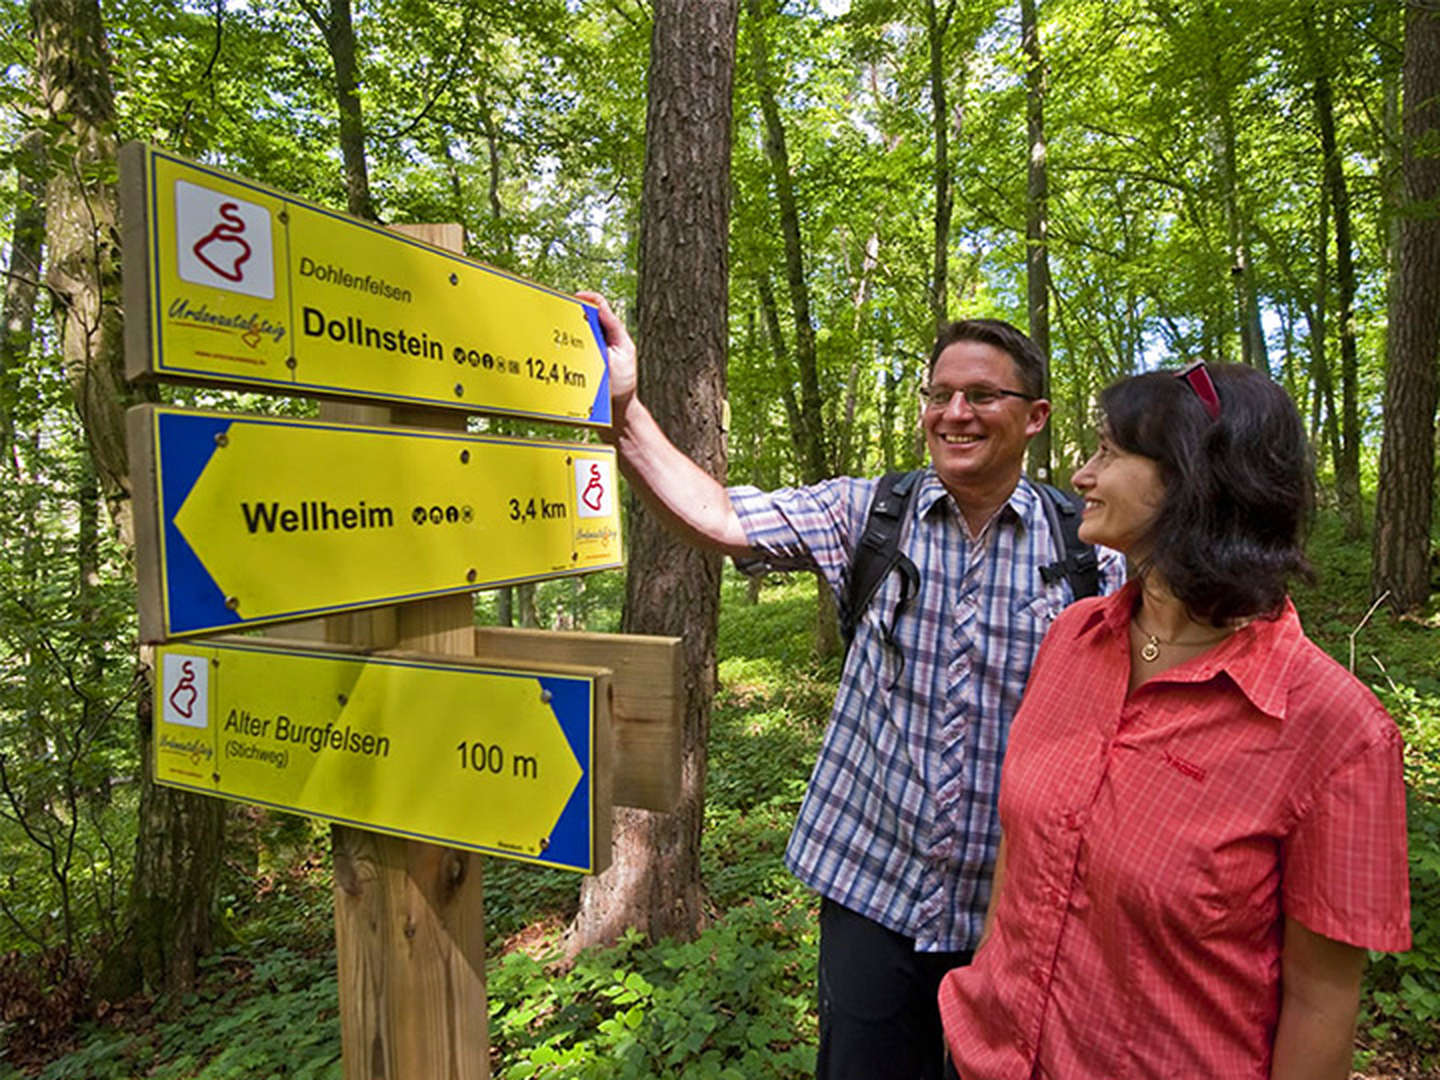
x,y
383,719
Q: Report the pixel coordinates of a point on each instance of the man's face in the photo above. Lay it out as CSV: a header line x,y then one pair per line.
x,y
978,450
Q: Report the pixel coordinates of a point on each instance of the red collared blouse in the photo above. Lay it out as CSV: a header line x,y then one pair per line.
x,y
1155,843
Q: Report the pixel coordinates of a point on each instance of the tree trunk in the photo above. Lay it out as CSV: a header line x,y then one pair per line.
x,y
1403,504
814,461
338,29
936,25
179,835
27,238
1037,251
682,303
1347,463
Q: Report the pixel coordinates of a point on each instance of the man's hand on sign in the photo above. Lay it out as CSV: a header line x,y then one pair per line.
x,y
622,356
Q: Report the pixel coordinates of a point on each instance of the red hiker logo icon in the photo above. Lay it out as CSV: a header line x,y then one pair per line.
x,y
223,245
182,698
594,494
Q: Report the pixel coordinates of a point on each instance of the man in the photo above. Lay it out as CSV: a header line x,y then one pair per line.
x,y
897,831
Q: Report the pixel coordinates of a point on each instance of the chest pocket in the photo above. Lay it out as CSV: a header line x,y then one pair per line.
x,y
1043,607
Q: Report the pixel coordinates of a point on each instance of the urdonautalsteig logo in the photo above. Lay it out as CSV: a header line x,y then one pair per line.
x,y
594,487
224,242
185,690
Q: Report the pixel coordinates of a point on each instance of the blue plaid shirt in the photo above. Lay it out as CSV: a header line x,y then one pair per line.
x,y
899,821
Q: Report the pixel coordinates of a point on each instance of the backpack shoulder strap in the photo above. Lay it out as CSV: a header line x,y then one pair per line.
x,y
878,551
1078,561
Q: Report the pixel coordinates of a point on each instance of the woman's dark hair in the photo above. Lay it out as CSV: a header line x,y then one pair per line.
x,y
1239,490
1029,360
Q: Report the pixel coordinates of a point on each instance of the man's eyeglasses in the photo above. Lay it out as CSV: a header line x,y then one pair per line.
x,y
977,397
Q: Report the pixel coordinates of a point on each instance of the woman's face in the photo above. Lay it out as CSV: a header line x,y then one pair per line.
x,y
1123,494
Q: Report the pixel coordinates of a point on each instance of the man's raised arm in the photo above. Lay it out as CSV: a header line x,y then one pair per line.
x,y
688,499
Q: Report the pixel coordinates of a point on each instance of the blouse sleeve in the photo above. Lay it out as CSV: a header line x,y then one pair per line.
x,y
1347,874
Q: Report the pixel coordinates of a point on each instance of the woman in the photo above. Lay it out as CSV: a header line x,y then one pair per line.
x,y
1203,814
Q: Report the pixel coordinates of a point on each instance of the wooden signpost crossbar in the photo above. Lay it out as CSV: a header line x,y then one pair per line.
x,y
409,914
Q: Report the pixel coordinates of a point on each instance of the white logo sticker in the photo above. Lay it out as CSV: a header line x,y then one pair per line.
x,y
594,487
224,242
185,690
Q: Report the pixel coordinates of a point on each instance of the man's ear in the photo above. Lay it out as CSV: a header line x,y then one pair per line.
x,y
1039,414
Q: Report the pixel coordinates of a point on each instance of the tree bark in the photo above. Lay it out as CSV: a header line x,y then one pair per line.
x,y
1037,196
682,302
1404,499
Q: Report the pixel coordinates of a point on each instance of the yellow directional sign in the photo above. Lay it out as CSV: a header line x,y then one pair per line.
x,y
228,281
246,519
505,762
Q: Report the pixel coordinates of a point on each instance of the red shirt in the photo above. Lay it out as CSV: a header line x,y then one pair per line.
x,y
1155,842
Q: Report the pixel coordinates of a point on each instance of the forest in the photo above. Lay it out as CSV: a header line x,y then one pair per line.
x,y
783,199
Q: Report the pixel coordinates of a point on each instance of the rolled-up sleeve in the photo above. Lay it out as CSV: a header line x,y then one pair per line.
x,y
809,528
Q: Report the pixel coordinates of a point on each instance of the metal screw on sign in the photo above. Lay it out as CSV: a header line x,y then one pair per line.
x,y
342,699
544,842
233,603
574,556
284,217
464,457
470,576
459,390
291,363
222,439
545,696
454,279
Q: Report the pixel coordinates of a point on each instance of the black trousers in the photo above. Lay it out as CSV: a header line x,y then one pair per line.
x,y
878,1016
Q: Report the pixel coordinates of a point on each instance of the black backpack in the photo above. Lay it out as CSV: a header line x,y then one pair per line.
x,y
878,551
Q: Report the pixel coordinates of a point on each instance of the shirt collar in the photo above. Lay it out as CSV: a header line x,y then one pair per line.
x,y
1024,501
1257,657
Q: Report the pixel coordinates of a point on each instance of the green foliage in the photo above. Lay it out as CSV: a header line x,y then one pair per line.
x,y
734,1003
1400,660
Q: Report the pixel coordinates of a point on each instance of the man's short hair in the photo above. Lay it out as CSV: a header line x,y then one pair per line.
x,y
1029,361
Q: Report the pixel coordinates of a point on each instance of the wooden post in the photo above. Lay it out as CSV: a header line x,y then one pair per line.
x,y
410,916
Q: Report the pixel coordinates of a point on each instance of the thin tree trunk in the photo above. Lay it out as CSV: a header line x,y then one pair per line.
x,y
1037,195
682,302
936,26
27,239
1404,499
338,29
1347,464
814,460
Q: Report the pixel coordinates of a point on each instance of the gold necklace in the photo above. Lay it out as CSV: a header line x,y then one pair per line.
x,y
1150,651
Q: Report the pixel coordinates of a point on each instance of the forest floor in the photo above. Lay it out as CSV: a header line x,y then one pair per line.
x,y
739,1001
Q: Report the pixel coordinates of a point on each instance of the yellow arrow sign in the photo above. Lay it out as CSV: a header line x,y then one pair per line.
x,y
232,282
501,761
257,519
